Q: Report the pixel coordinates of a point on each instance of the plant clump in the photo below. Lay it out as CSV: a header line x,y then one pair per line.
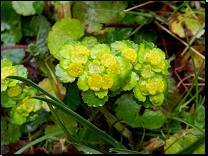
x,y
122,66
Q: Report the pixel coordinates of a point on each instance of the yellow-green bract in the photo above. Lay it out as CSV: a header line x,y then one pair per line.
x,y
122,66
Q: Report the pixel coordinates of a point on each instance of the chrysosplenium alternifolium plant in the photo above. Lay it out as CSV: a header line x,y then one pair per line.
x,y
121,67
16,96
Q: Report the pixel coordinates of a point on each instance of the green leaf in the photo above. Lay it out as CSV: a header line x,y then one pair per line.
x,y
41,28
64,119
198,147
13,132
152,119
16,117
98,49
174,124
181,143
157,100
138,94
26,29
7,101
149,35
82,82
90,41
188,117
200,116
63,75
9,17
9,133
91,18
127,108
61,32
24,8
38,6
13,35
133,81
33,125
101,94
72,98
92,100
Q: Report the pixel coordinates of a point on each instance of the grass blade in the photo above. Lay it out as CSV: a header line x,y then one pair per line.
x,y
38,140
86,123
189,91
61,125
190,124
194,37
124,151
192,147
192,58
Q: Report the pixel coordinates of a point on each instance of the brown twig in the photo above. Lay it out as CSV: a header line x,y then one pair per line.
x,y
192,75
105,25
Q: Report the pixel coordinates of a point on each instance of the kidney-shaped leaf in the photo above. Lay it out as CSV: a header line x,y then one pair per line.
x,y
61,32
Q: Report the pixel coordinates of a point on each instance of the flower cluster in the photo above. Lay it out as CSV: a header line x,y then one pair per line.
x,y
16,96
7,69
122,66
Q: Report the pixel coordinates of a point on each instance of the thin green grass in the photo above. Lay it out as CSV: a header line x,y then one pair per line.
x,y
196,78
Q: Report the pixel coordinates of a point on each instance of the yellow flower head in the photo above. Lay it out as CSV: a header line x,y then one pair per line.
x,y
75,69
95,82
107,82
130,54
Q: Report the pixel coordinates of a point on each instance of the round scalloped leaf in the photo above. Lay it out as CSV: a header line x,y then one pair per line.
x,y
127,108
13,35
9,17
98,49
38,6
138,94
61,32
150,119
82,83
92,100
24,8
91,18
157,100
90,41
16,117
63,75
132,82
21,71
101,94
7,101
14,55
167,65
